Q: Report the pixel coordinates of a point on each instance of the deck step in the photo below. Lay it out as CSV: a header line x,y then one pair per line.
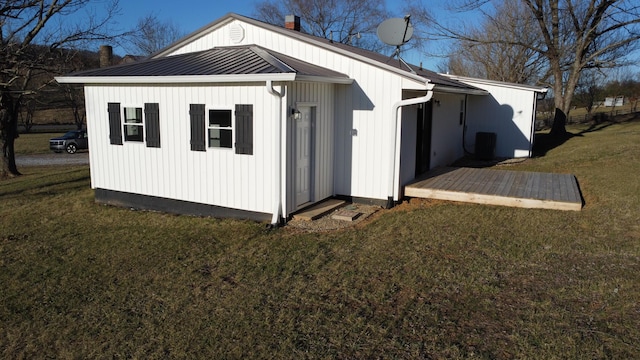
x,y
318,210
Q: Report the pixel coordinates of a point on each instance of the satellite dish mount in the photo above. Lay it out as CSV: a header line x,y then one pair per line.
x,y
396,32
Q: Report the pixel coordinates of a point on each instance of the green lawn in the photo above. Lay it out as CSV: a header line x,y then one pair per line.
x,y
426,279
34,143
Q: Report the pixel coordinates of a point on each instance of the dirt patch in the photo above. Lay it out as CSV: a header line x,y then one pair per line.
x,y
368,213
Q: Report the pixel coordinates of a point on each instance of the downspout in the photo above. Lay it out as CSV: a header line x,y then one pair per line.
x,y
394,181
277,206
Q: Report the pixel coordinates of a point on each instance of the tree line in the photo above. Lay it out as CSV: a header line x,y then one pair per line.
x,y
34,48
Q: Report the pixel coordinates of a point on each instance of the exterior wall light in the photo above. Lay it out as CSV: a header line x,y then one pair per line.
x,y
296,114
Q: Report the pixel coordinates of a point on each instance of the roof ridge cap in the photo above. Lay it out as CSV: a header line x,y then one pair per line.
x,y
271,59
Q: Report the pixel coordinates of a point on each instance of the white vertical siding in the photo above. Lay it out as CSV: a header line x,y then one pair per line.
x,y
217,176
320,97
360,160
508,112
365,126
446,136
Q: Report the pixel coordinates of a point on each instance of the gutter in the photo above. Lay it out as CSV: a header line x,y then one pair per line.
x,y
277,206
178,79
394,180
200,79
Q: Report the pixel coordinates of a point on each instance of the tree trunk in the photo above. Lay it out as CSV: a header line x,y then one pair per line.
x,y
558,129
78,118
8,134
9,168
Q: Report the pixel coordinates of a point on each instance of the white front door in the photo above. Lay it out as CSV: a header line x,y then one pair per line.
x,y
303,157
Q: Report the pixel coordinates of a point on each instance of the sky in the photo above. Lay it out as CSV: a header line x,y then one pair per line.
x,y
199,13
190,15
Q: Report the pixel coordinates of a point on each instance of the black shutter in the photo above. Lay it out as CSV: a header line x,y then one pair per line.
x,y
196,112
152,124
115,123
244,129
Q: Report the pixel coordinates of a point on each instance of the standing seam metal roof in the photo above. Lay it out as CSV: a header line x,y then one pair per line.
x,y
237,60
370,56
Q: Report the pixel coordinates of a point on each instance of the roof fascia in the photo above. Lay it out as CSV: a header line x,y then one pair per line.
x,y
465,79
454,90
324,79
186,79
197,79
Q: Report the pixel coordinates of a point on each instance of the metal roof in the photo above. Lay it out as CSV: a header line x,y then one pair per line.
x,y
370,57
237,60
255,63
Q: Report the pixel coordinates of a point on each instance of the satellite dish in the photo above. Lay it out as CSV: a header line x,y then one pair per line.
x,y
395,31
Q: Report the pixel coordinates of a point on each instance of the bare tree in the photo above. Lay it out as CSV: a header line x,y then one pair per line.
x,y
29,107
576,35
351,22
589,90
71,96
502,61
26,26
152,35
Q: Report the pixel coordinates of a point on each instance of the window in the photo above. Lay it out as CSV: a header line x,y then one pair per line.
x,y
220,133
134,124
219,129
133,128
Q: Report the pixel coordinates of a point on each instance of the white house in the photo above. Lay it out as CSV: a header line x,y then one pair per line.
x,y
509,112
250,120
614,101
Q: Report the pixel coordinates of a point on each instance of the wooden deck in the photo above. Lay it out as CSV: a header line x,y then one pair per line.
x,y
499,187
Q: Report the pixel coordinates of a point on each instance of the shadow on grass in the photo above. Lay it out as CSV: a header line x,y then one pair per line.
x,y
543,143
48,185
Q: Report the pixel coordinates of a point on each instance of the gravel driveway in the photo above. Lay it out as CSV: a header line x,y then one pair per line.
x,y
79,158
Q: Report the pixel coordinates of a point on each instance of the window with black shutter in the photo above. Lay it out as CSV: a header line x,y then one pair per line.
x,y
196,114
244,129
115,123
152,123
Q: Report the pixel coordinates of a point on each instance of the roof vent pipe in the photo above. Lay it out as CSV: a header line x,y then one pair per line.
x,y
292,22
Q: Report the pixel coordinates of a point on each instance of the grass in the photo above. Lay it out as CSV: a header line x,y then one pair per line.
x,y
34,143
426,279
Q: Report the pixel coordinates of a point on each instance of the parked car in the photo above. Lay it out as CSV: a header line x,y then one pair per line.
x,y
70,142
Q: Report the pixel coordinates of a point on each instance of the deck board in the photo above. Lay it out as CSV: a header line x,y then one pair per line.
x,y
499,187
